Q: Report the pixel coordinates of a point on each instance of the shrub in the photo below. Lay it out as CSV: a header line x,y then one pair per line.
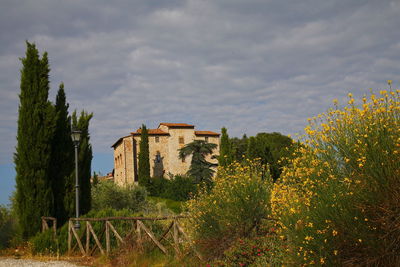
x,y
232,209
338,200
157,186
180,188
106,194
7,227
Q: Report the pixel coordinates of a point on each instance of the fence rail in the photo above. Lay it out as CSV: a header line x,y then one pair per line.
x,y
138,230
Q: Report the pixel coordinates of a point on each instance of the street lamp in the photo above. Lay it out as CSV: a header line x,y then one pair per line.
x,y
76,136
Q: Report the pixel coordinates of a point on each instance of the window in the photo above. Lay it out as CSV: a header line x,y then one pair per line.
x,y
158,157
206,138
157,139
183,160
181,140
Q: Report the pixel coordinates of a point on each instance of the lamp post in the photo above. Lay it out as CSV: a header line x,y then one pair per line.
x,y
76,136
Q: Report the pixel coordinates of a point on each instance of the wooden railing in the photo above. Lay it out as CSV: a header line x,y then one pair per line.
x,y
138,231
45,224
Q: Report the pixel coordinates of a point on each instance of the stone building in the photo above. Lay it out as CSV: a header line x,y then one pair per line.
x,y
164,143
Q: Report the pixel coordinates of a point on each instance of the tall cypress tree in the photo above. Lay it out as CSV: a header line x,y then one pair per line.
x,y
85,156
36,125
62,156
225,151
144,157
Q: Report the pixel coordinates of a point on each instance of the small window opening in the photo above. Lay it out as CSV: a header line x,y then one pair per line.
x,y
181,140
206,138
157,139
158,157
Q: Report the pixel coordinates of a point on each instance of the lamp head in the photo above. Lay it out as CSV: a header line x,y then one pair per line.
x,y
76,136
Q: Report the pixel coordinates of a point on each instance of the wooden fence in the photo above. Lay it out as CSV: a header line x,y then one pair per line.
x,y
138,231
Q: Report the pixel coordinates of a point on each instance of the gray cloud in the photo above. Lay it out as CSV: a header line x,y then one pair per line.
x,y
251,66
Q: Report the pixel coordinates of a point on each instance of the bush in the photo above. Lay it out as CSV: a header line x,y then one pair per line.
x,y
7,227
106,194
157,186
338,201
236,204
178,187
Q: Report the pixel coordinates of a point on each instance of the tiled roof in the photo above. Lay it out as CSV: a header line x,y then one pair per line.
x,y
176,125
208,133
151,132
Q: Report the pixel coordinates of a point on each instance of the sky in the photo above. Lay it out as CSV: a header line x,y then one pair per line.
x,y
251,65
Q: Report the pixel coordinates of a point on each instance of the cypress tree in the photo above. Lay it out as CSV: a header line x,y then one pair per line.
x,y
36,125
144,157
62,156
85,156
225,152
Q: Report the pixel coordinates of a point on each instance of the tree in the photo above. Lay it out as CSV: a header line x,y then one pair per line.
x,y
225,151
36,126
239,147
271,149
200,168
62,157
85,156
144,157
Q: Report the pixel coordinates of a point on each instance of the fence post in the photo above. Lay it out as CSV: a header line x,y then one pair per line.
x,y
176,243
139,234
87,238
69,237
107,238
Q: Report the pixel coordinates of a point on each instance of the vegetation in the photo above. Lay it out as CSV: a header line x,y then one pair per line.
x,y
225,150
44,153
338,200
144,158
232,209
7,227
109,195
36,127
62,157
200,169
85,156
178,187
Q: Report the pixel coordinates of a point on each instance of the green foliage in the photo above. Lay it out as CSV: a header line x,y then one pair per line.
x,y
200,168
180,188
36,126
48,244
225,150
239,147
261,249
144,157
157,186
233,208
7,227
44,243
109,195
62,157
85,156
173,205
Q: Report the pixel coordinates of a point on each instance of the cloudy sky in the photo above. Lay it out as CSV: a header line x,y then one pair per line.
x,y
250,65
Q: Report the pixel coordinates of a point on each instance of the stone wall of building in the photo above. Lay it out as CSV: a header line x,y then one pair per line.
x,y
163,153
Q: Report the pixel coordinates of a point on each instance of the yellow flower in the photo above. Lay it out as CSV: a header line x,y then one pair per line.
x,y
334,233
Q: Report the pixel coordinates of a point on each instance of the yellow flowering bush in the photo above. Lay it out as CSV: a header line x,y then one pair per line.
x,y
234,207
338,202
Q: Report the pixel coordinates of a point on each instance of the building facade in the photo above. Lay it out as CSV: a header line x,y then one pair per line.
x,y
164,143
